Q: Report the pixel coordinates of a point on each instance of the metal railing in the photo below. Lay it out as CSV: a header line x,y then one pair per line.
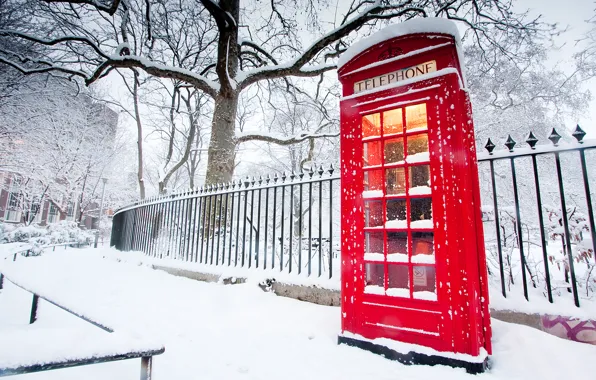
x,y
291,223
532,235
286,222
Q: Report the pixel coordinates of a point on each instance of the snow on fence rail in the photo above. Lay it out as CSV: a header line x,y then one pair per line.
x,y
291,223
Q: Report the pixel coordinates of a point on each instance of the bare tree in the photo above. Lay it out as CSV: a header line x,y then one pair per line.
x,y
63,144
222,48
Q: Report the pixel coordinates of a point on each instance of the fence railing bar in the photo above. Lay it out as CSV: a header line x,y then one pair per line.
x,y
244,216
582,156
320,224
252,219
237,230
330,227
166,230
283,208
566,227
310,203
191,228
199,228
266,221
300,228
208,229
519,228
211,230
169,239
257,245
177,228
233,196
274,225
542,234
291,232
206,215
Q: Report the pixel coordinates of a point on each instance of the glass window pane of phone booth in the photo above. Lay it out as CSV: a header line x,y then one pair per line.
x,y
419,176
372,153
373,246
421,213
423,250
371,125
417,144
395,181
397,247
373,180
373,214
394,151
424,282
398,280
374,278
393,122
396,213
416,118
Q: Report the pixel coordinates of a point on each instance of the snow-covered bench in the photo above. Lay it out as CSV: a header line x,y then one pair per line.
x,y
26,350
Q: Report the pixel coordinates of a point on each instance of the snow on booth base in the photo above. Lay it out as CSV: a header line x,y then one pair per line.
x,y
416,25
238,332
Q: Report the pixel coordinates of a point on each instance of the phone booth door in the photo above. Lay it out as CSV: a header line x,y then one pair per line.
x,y
399,238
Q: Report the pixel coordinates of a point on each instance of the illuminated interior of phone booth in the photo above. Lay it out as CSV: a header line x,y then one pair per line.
x,y
406,152
403,149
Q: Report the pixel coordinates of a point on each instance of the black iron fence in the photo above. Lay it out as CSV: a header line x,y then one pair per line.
x,y
291,223
285,222
531,243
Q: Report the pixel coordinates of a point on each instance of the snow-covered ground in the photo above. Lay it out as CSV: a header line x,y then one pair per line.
x,y
214,331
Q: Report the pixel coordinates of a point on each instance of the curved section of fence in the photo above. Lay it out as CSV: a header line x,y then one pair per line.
x,y
288,222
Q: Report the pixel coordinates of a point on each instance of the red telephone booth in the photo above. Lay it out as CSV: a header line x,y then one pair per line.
x,y
413,260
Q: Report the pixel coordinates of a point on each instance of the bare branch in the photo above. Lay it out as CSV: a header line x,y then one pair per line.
x,y
282,141
96,4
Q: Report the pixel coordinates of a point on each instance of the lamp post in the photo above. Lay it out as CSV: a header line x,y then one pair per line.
x,y
103,192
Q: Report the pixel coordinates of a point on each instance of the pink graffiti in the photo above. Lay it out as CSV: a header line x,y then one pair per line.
x,y
570,328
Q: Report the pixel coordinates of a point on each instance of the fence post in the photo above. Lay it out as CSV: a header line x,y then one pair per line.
x,y
33,316
146,367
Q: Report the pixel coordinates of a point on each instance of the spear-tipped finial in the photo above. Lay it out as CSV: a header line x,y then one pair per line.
x,y
510,143
532,140
489,146
554,137
578,134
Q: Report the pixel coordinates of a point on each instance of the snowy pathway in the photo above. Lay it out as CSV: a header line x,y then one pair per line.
x,y
212,331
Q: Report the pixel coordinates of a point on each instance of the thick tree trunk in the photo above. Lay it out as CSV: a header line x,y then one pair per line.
x,y
222,147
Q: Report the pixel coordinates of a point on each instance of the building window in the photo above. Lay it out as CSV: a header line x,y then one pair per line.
x,y
53,214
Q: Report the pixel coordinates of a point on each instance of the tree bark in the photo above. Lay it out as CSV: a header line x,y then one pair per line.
x,y
135,96
222,146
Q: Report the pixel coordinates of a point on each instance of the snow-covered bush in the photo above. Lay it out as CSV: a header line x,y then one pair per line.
x,y
61,232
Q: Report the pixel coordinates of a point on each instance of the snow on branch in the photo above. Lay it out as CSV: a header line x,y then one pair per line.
x,y
296,67
40,70
284,141
96,4
163,71
55,41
